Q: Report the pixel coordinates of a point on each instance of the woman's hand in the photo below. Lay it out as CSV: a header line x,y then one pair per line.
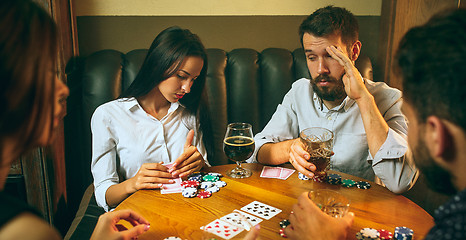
x,y
108,228
150,176
189,161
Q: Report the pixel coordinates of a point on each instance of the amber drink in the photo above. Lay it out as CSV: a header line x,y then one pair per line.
x,y
318,142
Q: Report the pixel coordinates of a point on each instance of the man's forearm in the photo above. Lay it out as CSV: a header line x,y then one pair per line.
x,y
375,126
274,153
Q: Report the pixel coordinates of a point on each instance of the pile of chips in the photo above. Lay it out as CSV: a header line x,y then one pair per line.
x,y
401,233
336,179
208,183
283,224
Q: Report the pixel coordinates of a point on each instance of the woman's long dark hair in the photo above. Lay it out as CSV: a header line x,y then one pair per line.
x,y
164,58
28,54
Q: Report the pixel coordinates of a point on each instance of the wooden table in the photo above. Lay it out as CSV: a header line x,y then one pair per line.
x,y
175,215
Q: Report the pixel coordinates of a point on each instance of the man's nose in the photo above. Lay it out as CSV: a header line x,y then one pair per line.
x,y
322,67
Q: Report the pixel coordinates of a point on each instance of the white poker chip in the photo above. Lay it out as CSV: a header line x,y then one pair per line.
x,y
215,174
189,192
220,184
213,189
172,238
370,233
303,177
205,185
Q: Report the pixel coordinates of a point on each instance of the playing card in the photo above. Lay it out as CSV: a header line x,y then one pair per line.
x,y
285,173
172,188
270,172
222,229
241,219
261,210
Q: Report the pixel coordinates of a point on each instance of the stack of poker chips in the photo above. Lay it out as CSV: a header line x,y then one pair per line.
x,y
368,234
209,183
403,233
283,225
336,179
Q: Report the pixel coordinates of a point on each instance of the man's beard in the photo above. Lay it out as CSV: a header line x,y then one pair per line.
x,y
329,93
438,179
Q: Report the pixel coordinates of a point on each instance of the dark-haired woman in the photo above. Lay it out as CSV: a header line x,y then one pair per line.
x,y
33,103
159,128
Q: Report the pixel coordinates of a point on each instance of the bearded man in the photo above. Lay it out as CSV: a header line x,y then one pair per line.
x,y
365,116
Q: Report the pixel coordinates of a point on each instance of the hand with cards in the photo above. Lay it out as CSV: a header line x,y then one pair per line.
x,y
151,176
313,222
189,161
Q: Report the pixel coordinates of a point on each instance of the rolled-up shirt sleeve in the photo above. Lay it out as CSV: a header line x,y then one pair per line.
x,y
103,166
393,163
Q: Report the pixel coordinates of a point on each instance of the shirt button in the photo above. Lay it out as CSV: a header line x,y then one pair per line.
x,y
329,118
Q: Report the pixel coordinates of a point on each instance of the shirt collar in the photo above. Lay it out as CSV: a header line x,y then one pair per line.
x,y
346,104
132,105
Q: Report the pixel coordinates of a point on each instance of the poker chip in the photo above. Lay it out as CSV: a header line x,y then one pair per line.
x,y
212,189
172,238
284,223
210,178
370,234
319,178
348,183
220,184
204,194
190,183
195,178
189,192
385,234
282,233
403,233
303,177
215,174
363,185
205,185
334,179
359,236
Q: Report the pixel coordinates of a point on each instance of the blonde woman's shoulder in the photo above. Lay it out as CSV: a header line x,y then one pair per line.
x,y
28,226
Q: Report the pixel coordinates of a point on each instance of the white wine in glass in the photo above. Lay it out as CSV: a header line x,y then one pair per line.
x,y
238,146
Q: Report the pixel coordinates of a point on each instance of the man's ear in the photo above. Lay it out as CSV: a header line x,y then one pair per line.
x,y
355,50
438,139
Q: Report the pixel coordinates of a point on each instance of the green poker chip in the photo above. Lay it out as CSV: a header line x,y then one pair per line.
x,y
348,183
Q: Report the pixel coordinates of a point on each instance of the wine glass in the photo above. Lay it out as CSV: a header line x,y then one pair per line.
x,y
238,145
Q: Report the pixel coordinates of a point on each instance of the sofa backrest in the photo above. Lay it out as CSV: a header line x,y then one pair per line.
x,y
243,85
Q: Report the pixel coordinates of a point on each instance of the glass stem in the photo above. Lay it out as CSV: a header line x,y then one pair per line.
x,y
238,164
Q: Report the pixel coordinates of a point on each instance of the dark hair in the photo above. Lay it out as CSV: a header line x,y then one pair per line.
x,y
164,58
432,62
331,20
28,53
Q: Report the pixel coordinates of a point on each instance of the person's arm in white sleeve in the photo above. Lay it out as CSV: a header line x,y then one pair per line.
x,y
393,163
103,165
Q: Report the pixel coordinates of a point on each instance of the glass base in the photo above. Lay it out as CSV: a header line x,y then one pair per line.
x,y
239,173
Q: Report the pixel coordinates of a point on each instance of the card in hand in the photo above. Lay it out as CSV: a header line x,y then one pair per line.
x,y
238,219
270,172
173,187
261,210
222,229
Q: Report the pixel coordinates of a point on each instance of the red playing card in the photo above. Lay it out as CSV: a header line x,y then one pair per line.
x,y
222,229
270,172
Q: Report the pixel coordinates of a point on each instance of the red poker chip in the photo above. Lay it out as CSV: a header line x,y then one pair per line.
x,y
282,233
190,183
204,194
385,234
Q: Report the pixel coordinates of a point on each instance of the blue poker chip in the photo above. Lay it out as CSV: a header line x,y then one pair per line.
x,y
334,179
363,185
196,174
195,178
303,177
403,233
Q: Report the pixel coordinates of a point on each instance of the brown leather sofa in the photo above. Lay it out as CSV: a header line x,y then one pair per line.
x,y
243,85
